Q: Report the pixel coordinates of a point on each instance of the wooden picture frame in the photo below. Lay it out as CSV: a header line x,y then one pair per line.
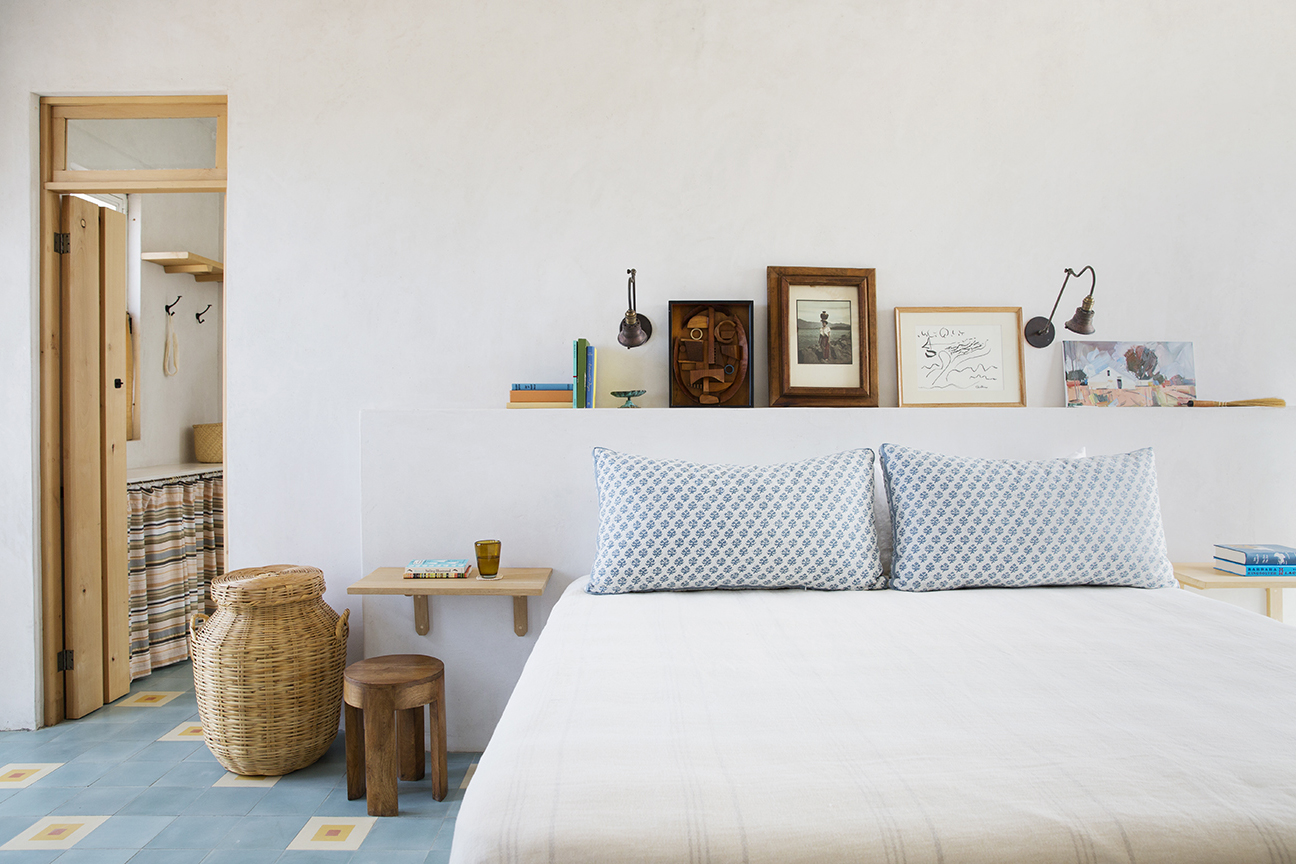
x,y
960,356
828,359
710,353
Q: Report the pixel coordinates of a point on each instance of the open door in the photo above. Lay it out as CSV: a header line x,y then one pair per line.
x,y
96,649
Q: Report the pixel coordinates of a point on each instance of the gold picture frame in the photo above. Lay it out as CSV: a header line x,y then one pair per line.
x,y
960,356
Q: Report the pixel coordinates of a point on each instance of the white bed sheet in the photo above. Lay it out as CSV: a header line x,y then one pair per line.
x,y
1026,725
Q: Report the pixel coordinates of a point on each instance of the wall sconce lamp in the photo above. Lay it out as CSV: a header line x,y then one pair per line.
x,y
1039,330
636,329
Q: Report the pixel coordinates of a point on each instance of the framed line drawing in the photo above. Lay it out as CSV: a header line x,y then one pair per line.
x,y
949,356
822,336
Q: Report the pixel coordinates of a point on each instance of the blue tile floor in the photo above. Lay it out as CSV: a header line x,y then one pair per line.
x,y
135,783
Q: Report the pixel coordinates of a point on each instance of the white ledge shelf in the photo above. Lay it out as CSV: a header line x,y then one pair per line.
x,y
202,269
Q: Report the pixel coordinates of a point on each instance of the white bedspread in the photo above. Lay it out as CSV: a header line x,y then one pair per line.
x,y
1023,725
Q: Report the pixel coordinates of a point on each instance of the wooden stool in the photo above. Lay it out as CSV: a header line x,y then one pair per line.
x,y
374,690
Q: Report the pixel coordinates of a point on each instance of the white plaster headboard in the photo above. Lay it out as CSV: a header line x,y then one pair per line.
x,y
432,482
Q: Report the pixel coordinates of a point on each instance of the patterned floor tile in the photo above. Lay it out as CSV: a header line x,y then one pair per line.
x,y
332,833
225,802
76,774
96,856
170,856
245,781
243,856
188,773
54,832
20,775
148,699
190,730
38,801
387,856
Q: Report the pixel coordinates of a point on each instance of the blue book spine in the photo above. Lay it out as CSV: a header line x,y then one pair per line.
x,y
1255,569
1257,554
589,376
541,387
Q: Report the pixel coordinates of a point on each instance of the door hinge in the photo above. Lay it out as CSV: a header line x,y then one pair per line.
x,y
62,243
65,660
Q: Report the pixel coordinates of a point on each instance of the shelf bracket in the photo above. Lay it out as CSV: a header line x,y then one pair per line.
x,y
422,620
520,614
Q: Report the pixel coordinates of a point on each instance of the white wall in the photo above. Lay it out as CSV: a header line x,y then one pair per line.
x,y
171,405
402,172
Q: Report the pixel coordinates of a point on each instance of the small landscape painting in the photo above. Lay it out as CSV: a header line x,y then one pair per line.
x,y
1129,374
823,331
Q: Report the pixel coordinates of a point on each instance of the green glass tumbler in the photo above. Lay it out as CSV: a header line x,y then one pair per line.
x,y
488,558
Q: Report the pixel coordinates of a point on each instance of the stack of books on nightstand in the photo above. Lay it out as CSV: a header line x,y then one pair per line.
x,y
1255,560
541,396
437,568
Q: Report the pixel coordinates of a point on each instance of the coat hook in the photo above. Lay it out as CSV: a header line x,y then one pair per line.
x,y
199,315
169,305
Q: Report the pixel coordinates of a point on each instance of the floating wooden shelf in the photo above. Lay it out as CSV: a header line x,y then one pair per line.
x,y
202,269
517,582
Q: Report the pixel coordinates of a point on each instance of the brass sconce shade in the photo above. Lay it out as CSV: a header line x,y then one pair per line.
x,y
1039,330
636,329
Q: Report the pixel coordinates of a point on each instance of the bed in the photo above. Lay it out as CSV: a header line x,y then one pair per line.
x,y
1045,723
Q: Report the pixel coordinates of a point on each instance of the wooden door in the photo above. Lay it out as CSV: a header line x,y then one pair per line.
x,y
96,616
114,419
83,689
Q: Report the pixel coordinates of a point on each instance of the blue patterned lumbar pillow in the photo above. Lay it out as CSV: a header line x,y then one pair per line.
x,y
981,523
669,525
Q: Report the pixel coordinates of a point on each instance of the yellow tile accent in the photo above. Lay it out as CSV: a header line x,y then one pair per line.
x,y
18,776
149,698
333,833
57,831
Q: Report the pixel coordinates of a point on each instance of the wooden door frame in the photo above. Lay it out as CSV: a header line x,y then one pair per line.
x,y
56,180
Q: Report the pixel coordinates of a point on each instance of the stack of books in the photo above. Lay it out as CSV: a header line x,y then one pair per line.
x,y
1255,560
541,396
584,373
437,568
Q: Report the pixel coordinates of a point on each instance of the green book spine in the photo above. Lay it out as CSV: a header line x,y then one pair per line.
x,y
582,371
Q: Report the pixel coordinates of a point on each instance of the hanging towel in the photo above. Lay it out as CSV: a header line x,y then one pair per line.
x,y
170,354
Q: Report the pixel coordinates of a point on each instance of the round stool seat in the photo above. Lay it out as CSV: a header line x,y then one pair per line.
x,y
383,695
392,670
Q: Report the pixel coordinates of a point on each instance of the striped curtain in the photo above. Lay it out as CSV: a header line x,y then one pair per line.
x,y
176,544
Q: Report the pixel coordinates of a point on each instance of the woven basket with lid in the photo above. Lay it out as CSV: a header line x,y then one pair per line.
x,y
268,669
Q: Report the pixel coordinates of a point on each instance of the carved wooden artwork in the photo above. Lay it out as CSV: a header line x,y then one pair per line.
x,y
710,354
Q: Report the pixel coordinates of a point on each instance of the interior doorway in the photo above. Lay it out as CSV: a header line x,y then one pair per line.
x,y
103,350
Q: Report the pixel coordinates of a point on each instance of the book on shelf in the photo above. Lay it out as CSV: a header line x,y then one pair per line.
x,y
1255,569
566,403
540,396
580,367
563,386
591,376
1251,554
437,568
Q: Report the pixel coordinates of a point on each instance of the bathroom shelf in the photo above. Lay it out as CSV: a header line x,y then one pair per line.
x,y
202,269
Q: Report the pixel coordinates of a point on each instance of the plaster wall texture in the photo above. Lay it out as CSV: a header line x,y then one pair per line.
x,y
429,201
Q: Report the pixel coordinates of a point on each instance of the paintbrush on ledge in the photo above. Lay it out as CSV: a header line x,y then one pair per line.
x,y
1240,403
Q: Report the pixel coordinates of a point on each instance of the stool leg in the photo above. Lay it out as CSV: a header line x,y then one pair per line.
x,y
409,738
355,758
380,753
436,711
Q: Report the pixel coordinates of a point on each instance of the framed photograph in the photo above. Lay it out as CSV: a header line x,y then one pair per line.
x,y
710,354
822,336
1129,374
951,356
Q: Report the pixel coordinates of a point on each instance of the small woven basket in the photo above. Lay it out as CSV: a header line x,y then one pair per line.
x,y
268,669
209,442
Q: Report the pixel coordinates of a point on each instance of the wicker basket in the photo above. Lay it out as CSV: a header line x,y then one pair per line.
x,y
268,669
209,442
